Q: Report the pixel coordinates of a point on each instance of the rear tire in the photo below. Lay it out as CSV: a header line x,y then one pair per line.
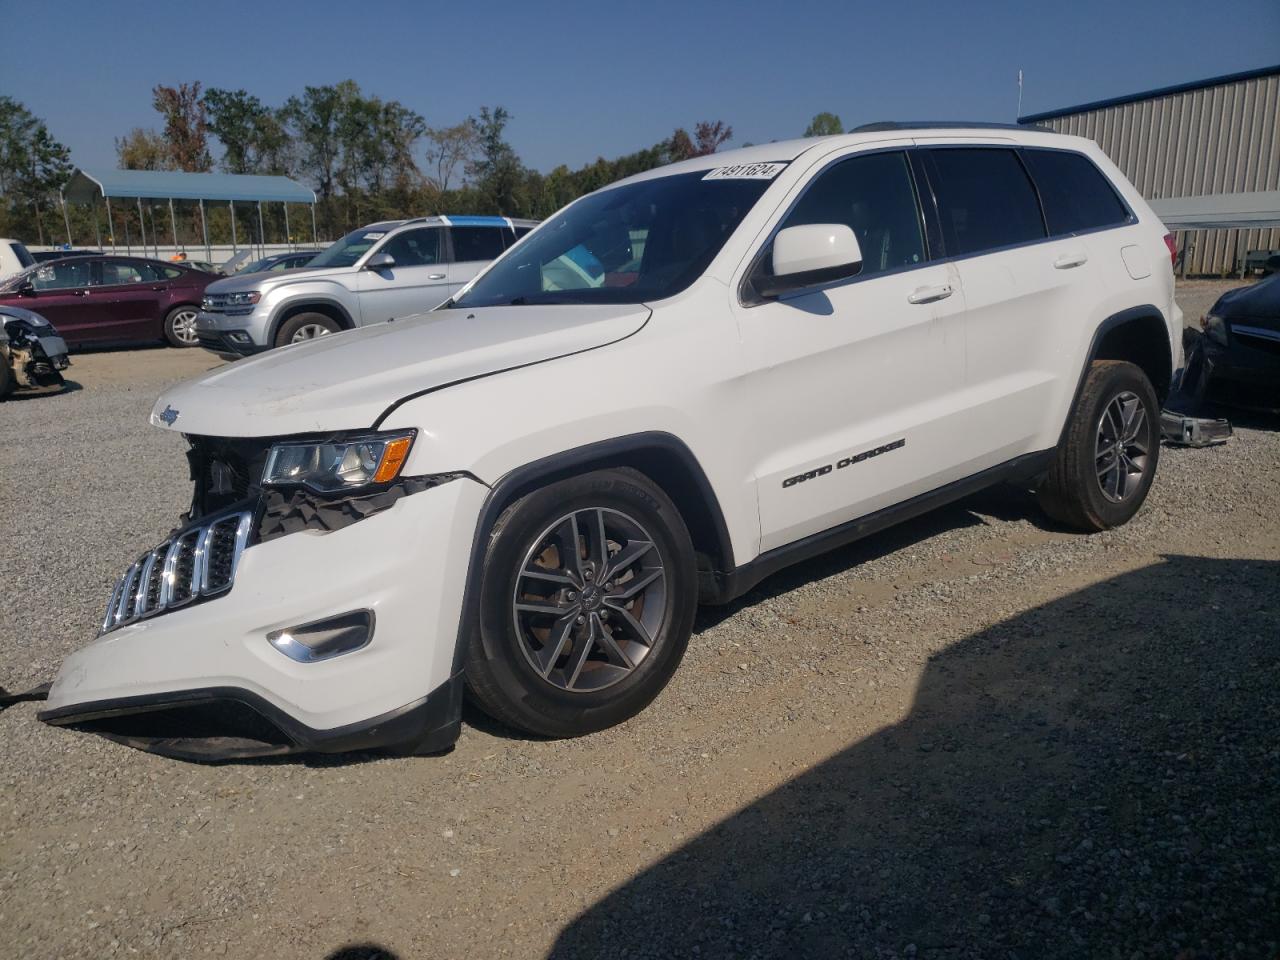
x,y
595,632
1106,461
306,326
180,326
6,375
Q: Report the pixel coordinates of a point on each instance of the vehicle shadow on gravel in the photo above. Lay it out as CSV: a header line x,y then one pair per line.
x,y
1095,777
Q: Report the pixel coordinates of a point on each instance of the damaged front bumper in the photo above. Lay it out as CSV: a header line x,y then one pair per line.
x,y
210,678
1237,374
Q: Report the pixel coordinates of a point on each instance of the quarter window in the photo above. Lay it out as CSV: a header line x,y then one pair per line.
x,y
414,248
874,196
985,200
1075,194
476,243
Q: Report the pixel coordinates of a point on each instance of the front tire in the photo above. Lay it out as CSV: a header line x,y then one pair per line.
x,y
304,327
587,600
180,327
1106,461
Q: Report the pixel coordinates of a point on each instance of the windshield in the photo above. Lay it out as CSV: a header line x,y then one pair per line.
x,y
345,252
631,244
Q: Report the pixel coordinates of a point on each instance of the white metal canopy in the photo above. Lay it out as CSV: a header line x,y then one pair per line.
x,y
1231,211
88,187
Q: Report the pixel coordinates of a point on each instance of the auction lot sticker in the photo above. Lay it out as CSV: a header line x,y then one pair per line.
x,y
746,171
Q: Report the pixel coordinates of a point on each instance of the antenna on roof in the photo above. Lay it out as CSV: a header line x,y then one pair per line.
x,y
1019,113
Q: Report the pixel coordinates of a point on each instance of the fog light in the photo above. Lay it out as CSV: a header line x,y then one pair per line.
x,y
324,639
239,336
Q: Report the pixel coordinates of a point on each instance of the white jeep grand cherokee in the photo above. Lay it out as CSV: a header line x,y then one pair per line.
x,y
669,390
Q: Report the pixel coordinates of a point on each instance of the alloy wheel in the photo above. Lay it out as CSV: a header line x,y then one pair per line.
x,y
184,326
590,599
309,331
1122,447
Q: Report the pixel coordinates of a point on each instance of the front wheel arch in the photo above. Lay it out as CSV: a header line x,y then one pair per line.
x,y
288,311
662,457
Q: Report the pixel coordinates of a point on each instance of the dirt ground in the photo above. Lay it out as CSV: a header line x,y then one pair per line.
x,y
977,735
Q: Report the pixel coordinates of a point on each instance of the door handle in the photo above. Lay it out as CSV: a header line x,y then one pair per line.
x,y
1069,260
435,276
930,294
157,289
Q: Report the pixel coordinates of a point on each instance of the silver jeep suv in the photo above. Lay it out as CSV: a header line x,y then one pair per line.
x,y
379,272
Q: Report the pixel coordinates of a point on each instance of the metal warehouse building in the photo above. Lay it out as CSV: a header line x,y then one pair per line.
x,y
1213,137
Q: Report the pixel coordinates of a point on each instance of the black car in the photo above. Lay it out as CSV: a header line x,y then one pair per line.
x,y
280,261
1236,359
44,256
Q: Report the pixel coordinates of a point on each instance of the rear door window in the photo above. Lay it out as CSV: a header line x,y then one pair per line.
x,y
476,243
1075,194
985,199
117,273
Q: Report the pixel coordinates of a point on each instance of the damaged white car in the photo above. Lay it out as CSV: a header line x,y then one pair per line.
x,y
666,392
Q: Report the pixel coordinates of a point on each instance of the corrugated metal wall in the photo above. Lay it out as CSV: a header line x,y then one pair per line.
x,y
1219,139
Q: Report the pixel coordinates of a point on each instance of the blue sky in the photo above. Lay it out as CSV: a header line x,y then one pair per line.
x,y
588,79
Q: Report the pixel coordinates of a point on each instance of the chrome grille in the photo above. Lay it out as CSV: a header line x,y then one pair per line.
x,y
199,562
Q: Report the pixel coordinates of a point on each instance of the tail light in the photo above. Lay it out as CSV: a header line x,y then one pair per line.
x,y
1171,242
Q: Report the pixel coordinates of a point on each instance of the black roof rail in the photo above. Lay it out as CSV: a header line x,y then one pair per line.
x,y
940,125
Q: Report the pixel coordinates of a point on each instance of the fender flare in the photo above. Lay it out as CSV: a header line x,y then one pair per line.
x,y
617,451
306,300
1116,320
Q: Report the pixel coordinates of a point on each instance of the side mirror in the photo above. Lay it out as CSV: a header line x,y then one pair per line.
x,y
380,261
810,256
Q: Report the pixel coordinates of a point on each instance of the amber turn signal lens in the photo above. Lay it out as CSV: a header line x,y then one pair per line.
x,y
393,458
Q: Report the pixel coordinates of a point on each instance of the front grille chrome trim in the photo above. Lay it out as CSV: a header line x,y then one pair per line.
x,y
180,584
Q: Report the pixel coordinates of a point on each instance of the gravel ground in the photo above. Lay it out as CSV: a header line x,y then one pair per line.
x,y
973,736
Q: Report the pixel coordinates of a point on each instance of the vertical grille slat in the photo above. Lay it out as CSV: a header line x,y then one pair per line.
x,y
198,562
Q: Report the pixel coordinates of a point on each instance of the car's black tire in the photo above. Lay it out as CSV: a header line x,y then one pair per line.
x,y
502,671
301,323
179,326
7,380
1076,491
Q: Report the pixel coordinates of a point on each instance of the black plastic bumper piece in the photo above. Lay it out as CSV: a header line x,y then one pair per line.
x,y
221,344
221,724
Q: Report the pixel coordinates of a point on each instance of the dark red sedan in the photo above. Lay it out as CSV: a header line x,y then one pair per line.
x,y
97,300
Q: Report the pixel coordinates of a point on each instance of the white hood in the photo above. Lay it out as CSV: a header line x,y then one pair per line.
x,y
346,380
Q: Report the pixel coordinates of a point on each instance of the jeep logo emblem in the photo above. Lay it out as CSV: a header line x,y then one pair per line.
x,y
168,415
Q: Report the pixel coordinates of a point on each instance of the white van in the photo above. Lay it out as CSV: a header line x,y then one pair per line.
x,y
14,258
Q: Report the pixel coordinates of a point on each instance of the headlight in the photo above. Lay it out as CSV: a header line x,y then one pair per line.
x,y
245,298
338,465
1214,327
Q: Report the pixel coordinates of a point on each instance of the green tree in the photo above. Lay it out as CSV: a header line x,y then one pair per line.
x,y
252,135
33,168
496,170
313,121
824,125
186,126
450,148
141,149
